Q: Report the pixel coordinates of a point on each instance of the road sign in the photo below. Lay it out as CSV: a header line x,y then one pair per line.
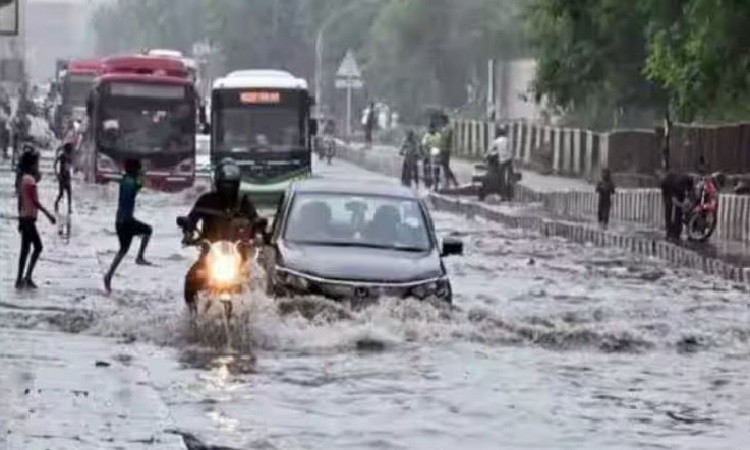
x,y
346,83
349,67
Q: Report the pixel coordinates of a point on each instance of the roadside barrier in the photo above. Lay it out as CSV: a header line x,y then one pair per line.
x,y
585,233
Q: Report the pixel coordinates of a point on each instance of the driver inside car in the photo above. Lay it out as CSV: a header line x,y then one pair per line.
x,y
384,227
224,215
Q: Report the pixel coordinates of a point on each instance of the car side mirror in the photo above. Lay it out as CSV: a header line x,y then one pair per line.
x,y
182,222
452,246
313,127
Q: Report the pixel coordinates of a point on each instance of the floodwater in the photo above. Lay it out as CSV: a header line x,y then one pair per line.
x,y
551,345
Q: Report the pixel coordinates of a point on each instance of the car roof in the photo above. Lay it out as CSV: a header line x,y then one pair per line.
x,y
376,188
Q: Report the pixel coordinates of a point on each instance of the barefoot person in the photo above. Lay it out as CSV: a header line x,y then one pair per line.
x,y
28,208
62,166
126,224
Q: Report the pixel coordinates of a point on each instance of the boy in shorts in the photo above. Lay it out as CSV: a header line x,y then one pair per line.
x,y
126,224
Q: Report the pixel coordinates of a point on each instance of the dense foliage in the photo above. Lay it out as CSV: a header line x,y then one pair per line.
x,y
690,55
601,62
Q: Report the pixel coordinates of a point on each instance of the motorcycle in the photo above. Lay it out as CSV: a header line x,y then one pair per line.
x,y
225,271
486,176
433,168
326,147
701,218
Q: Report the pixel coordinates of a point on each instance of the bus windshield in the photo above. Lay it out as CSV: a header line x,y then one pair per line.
x,y
78,88
248,128
147,125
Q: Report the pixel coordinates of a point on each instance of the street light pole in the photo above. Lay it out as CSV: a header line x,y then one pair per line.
x,y
319,47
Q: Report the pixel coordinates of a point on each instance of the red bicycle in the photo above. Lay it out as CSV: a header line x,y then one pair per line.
x,y
701,219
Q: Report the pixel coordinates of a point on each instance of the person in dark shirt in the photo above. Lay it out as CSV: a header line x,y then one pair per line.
x,y
605,190
677,190
126,224
223,215
63,165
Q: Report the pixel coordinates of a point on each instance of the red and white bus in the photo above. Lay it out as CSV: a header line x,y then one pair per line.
x,y
76,82
142,107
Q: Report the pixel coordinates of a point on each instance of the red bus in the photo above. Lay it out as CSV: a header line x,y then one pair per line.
x,y
76,83
142,107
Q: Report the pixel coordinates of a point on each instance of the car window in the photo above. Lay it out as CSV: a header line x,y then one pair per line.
x,y
354,220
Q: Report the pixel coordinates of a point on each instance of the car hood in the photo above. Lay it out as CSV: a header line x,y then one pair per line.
x,y
361,264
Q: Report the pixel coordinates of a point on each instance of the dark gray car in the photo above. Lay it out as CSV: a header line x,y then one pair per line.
x,y
356,241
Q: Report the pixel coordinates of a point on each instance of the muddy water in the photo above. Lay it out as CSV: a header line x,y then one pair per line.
x,y
551,345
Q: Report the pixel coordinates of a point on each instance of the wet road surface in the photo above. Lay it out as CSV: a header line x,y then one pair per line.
x,y
552,345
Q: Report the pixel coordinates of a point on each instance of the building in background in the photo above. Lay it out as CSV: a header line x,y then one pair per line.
x,y
55,29
12,52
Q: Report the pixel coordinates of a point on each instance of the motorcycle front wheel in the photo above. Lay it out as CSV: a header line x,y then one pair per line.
x,y
701,226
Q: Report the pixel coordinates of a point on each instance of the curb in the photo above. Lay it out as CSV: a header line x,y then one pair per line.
x,y
583,234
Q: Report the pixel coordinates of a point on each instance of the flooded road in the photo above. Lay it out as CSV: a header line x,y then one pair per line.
x,y
551,345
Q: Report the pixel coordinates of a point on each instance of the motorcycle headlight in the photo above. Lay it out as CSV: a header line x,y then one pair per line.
x,y
438,288
224,268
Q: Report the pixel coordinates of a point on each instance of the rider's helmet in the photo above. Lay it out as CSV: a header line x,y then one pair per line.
x,y
227,177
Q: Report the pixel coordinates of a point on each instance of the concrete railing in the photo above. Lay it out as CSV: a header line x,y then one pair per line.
x,y
643,206
646,206
588,233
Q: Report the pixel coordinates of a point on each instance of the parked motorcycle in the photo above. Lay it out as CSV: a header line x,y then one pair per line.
x,y
487,177
701,218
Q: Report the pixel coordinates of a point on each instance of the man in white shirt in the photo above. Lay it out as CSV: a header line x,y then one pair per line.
x,y
500,160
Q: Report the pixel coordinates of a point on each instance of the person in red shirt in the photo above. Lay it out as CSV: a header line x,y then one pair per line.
x,y
28,210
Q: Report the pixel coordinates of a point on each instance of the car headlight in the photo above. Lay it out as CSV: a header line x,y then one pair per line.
x,y
293,281
440,288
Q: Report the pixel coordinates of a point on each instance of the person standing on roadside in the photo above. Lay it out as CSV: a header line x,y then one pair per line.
x,y
678,192
369,124
605,189
410,150
445,154
29,207
126,224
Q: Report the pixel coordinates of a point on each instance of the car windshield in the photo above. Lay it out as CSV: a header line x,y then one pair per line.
x,y
358,221
147,127
248,128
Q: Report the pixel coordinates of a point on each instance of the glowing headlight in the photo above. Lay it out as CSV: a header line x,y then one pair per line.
x,y
224,265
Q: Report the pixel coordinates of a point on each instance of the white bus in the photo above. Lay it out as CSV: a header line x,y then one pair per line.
x,y
261,119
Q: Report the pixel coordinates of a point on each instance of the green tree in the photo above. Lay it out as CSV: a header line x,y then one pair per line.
x,y
591,58
699,51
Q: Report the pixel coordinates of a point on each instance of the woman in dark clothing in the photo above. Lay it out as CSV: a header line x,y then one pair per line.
x,y
411,153
28,210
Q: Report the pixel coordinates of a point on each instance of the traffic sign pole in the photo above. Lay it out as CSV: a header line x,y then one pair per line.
x,y
349,109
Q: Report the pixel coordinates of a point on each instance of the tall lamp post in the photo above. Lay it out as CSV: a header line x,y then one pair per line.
x,y
319,43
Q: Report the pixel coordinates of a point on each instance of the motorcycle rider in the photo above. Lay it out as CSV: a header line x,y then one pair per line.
x,y
216,210
431,140
500,165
